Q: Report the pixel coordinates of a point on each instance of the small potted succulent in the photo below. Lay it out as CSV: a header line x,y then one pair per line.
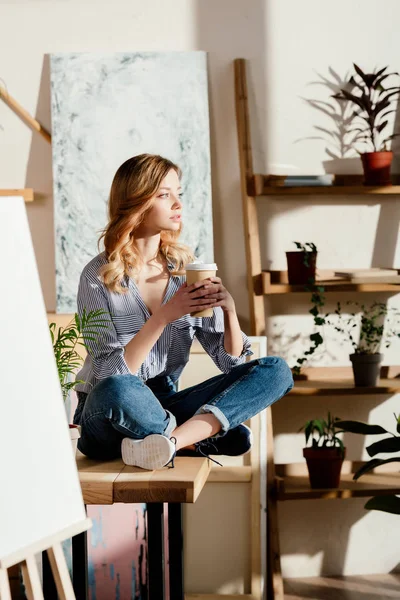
x,y
373,103
66,341
302,263
325,456
375,325
390,445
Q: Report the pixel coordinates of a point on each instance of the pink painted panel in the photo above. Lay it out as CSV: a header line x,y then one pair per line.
x,y
117,549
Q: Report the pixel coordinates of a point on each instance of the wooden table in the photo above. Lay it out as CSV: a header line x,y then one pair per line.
x,y
113,481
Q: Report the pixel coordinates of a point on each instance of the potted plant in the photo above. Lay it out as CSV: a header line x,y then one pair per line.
x,y
325,456
66,342
373,103
389,503
302,263
377,324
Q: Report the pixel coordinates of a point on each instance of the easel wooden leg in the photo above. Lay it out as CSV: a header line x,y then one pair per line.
x,y
30,572
5,592
60,572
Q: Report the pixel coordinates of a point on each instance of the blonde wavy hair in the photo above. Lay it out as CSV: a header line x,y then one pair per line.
x,y
132,196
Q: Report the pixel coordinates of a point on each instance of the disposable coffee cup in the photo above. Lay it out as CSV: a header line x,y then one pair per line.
x,y
198,272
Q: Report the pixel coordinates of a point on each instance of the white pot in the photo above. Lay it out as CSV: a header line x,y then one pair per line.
x,y
75,434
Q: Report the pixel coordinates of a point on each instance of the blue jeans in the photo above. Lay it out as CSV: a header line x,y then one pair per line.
x,y
124,406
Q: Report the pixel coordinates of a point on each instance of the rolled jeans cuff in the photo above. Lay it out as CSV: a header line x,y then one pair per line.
x,y
171,424
210,408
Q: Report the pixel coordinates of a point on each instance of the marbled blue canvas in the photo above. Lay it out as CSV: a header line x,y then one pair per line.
x,y
105,109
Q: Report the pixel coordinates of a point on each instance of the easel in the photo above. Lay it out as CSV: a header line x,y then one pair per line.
x,y
26,560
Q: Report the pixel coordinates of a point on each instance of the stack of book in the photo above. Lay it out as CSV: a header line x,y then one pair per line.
x,y
371,275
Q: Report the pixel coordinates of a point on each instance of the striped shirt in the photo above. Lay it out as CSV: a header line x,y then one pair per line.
x,y
128,314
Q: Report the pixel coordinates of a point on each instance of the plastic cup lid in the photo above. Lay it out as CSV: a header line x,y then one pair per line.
x,y
198,266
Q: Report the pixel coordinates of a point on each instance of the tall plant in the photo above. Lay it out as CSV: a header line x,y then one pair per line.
x,y
66,340
373,103
389,503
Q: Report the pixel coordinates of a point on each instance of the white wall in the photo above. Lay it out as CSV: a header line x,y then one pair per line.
x,y
287,42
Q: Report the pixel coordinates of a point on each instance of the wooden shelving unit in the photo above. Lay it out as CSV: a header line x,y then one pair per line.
x,y
285,482
26,193
276,282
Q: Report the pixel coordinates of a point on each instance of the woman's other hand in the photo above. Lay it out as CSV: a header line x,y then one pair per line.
x,y
188,299
217,292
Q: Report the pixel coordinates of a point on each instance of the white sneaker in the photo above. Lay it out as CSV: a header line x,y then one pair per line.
x,y
152,452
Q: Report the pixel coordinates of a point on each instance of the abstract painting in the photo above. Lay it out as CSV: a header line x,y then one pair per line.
x,y
105,109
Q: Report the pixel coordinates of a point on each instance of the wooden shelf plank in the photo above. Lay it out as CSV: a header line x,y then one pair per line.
x,y
344,387
259,185
275,282
338,381
26,193
298,487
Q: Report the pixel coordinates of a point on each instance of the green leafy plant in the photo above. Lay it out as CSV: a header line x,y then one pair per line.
x,y
308,248
318,302
66,340
368,327
391,444
323,433
373,103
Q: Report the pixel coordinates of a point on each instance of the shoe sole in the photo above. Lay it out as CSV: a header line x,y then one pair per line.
x,y
152,452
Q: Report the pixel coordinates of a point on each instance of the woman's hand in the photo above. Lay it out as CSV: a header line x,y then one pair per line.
x,y
187,299
217,292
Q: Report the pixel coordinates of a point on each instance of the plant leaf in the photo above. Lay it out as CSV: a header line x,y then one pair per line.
x,y
362,428
391,444
388,504
373,464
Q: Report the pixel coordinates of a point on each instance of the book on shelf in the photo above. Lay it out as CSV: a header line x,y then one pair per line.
x,y
372,275
368,272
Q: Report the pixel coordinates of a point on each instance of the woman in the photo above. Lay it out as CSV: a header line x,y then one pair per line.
x,y
128,404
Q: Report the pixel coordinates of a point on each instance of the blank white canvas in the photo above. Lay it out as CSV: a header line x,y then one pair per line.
x,y
40,493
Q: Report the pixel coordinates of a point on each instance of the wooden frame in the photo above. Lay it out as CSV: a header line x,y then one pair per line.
x,y
274,582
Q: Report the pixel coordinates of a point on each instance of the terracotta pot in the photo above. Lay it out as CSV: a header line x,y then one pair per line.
x,y
75,434
324,466
298,272
377,167
366,369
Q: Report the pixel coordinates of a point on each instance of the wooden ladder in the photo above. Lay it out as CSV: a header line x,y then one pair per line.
x,y
274,581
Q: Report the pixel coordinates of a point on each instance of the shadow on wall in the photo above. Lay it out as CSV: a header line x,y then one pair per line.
x,y
39,176
227,31
342,157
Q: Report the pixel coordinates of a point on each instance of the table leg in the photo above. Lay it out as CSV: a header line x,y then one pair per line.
x,y
175,549
155,551
80,566
49,586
